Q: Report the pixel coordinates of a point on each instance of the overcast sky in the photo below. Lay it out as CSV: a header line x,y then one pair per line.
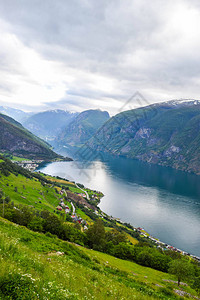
x,y
85,54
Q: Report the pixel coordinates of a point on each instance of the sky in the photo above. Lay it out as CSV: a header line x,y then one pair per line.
x,y
111,55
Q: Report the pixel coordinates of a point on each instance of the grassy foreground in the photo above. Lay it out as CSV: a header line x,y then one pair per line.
x,y
31,269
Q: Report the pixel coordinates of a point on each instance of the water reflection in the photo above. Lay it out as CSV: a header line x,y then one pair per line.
x,y
164,201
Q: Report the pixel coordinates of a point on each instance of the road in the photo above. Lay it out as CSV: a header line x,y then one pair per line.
x,y
88,198
73,208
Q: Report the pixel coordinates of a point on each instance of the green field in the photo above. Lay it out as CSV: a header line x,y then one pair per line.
x,y
30,269
30,192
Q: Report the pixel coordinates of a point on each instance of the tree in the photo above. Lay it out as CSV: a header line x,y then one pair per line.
x,y
115,237
196,284
124,251
52,224
181,268
36,224
96,235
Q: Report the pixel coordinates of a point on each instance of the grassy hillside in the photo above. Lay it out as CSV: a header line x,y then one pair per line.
x,y
31,268
14,138
33,189
164,134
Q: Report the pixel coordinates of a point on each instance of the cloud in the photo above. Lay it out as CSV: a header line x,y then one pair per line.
x,y
85,53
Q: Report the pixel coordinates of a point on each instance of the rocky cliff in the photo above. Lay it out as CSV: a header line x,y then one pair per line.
x,y
166,134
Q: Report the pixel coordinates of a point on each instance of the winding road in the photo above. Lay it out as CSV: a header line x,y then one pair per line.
x,y
88,198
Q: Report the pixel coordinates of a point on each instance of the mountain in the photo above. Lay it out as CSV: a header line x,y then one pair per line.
x,y
166,134
16,139
48,124
17,114
82,128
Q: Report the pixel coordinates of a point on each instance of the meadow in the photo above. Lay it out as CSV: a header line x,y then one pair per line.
x,y
40,266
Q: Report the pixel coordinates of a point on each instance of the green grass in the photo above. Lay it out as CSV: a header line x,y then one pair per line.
x,y
83,215
74,189
28,265
132,239
30,192
12,157
16,158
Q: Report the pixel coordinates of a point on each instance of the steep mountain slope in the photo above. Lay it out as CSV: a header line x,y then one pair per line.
x,y
82,128
48,124
16,139
166,134
17,114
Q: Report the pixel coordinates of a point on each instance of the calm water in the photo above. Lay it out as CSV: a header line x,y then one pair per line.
x,y
164,201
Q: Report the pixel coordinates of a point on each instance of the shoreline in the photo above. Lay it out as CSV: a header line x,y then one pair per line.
x,y
34,164
164,246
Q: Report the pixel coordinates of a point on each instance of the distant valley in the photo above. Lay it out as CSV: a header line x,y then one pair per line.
x,y
48,124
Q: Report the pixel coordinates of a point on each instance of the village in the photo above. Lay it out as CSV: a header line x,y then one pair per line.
x,y
63,207
165,246
30,165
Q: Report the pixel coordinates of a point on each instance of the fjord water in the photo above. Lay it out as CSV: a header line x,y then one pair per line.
x,y
164,201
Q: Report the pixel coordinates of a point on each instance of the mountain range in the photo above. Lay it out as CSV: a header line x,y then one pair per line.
x,y
167,134
17,114
49,124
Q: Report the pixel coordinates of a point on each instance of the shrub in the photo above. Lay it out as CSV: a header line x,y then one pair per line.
x,y
17,286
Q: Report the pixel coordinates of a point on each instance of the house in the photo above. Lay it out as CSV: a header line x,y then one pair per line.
x,y
67,210
139,228
59,208
82,195
74,218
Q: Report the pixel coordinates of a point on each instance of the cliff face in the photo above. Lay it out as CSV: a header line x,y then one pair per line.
x,y
82,128
17,140
165,134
